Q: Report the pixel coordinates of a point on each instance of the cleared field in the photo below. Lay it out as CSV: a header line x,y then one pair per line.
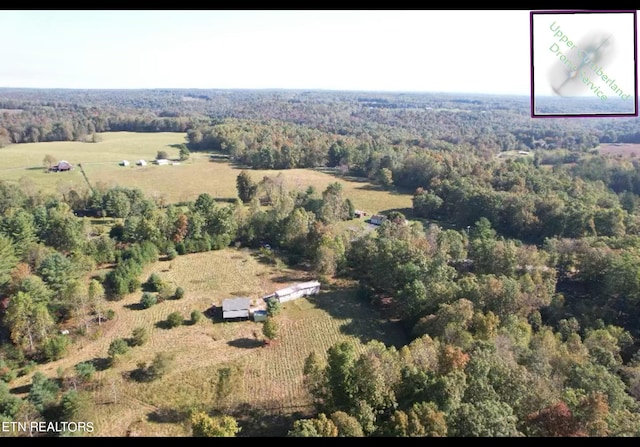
x,y
270,378
199,174
25,161
113,147
620,149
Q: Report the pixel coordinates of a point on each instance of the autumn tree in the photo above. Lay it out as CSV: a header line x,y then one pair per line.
x,y
320,427
246,187
203,425
29,322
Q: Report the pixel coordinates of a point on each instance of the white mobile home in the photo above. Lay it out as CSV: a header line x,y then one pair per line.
x,y
297,291
161,161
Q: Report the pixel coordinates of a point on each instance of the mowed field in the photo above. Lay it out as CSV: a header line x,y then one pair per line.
x,y
25,161
269,378
621,149
171,183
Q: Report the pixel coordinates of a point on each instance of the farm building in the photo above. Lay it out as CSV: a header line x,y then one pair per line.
x,y
377,219
236,308
161,161
124,163
141,163
296,291
360,213
62,165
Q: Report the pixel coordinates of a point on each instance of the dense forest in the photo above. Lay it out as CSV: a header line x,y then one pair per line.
x,y
523,321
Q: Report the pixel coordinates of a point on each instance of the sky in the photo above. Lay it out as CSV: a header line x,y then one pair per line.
x,y
375,50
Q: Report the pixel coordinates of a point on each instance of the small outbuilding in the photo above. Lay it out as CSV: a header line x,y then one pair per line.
x,y
236,308
259,315
141,162
360,213
124,163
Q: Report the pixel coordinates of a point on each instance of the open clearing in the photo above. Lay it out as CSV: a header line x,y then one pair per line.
x,y
620,149
172,184
270,378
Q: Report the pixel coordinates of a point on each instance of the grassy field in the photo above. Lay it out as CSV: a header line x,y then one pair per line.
x,y
25,161
268,379
172,183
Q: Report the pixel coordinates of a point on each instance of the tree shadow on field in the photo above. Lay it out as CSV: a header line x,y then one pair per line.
x,y
163,324
363,321
167,415
290,278
273,420
214,313
100,363
372,187
22,389
406,212
246,343
134,306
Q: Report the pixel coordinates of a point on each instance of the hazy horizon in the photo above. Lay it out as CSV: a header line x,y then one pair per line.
x,y
420,51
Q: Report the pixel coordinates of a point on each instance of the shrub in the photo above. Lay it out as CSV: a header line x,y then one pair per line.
x,y
117,347
6,373
111,314
179,293
175,319
56,347
139,336
172,253
148,300
196,316
154,282
273,307
166,292
161,363
85,370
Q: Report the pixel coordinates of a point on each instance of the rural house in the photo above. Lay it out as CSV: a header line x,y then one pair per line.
x,y
236,308
296,291
377,219
124,163
161,161
141,163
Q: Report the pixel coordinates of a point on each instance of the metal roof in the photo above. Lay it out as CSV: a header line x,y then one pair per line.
x,y
231,304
